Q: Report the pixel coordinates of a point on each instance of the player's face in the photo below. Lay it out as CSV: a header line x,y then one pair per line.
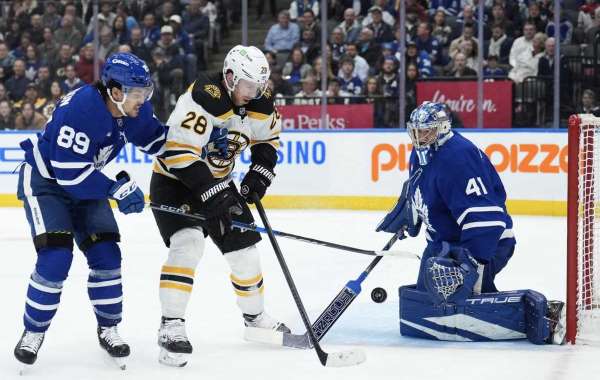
x,y
135,98
422,137
245,91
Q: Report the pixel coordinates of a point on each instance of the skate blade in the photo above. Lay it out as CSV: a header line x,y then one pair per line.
x,y
265,336
120,362
24,368
173,359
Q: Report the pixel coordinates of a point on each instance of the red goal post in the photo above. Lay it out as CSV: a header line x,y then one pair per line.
x,y
583,230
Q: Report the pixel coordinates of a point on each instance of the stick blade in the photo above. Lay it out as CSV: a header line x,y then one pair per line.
x,y
345,358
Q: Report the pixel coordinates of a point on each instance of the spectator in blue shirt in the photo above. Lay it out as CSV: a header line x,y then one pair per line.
x,y
449,7
283,35
71,81
492,69
150,30
349,82
425,42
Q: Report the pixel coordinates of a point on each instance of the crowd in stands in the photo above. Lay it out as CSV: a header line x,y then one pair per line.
x,y
46,49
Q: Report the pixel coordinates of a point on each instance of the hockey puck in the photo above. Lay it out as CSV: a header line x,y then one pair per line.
x,y
378,295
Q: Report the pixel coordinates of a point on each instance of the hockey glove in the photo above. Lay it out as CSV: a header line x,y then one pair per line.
x,y
217,144
128,195
256,182
218,201
402,217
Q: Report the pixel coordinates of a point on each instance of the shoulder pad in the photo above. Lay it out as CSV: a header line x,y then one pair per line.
x,y
262,107
211,95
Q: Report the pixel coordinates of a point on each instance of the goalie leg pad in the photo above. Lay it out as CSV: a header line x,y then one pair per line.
x,y
536,308
177,274
247,280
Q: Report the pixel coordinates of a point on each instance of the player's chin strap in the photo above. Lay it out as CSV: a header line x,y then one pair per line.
x,y
118,104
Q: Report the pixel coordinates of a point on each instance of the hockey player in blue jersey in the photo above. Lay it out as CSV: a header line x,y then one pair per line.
x,y
66,196
455,193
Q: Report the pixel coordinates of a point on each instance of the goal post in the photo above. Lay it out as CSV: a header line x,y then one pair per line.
x,y
583,230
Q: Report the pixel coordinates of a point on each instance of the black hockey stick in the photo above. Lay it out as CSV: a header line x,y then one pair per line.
x,y
253,227
338,359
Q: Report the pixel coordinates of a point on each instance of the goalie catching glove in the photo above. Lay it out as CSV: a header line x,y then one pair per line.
x,y
256,182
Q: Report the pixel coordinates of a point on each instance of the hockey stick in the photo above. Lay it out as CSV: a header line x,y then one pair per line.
x,y
332,312
337,359
255,228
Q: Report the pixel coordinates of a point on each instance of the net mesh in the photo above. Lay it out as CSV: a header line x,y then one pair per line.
x,y
446,279
588,276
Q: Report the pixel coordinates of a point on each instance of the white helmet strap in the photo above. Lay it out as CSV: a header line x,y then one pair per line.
x,y
118,104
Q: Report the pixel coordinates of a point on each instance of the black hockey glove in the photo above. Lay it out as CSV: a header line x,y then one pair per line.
x,y
256,182
218,201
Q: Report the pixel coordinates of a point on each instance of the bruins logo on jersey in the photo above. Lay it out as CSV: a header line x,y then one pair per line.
x,y
213,91
267,94
236,143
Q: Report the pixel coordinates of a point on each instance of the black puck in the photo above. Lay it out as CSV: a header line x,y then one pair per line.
x,y
378,295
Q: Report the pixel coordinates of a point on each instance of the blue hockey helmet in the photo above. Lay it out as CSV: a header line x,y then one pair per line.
x,y
429,125
131,73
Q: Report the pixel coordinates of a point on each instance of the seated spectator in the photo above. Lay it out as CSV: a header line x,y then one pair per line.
x,y
4,93
386,16
335,94
13,35
43,80
32,62
309,93
67,33
107,45
29,118
361,67
32,95
460,68
271,59
48,49
374,95
425,42
7,117
37,29
491,69
413,7
71,82
17,83
382,32
585,18
368,48
421,59
106,14
317,71
281,87
24,42
197,21
522,44
283,35
120,31
64,58
55,95
174,55
546,61
565,29
84,68
71,10
350,26
297,8
388,83
7,60
469,49
337,44
296,69
448,7
308,44
467,16
168,68
151,31
467,34
441,31
183,39
500,44
588,103
499,18
309,23
412,76
526,63
535,17
350,82
50,18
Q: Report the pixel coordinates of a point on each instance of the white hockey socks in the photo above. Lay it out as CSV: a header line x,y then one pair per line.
x,y
247,280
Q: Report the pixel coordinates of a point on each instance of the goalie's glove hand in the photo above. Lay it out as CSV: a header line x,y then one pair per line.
x,y
128,195
403,217
256,182
217,144
219,201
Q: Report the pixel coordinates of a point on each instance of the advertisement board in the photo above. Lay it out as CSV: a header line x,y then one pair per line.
x,y
338,116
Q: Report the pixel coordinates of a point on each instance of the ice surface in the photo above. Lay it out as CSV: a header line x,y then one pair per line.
x,y
215,326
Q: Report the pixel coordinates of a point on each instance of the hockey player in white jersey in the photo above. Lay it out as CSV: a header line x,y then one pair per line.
x,y
213,122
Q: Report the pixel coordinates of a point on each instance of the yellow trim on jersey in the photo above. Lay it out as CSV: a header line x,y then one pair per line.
x,y
258,115
173,144
249,293
172,285
190,87
179,270
250,281
226,115
180,158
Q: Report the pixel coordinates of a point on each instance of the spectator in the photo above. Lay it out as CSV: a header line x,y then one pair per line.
x,y
32,62
499,18
522,44
467,34
526,63
119,29
4,93
460,68
197,25
208,9
7,118
107,45
590,34
308,45
43,80
382,32
50,17
467,16
18,82
565,29
64,58
428,43
309,23
335,93
71,10
535,17
32,95
37,29
386,16
296,69
24,41
55,95
309,94
441,30
491,69
317,71
183,39
546,62
106,14
586,15
71,82
271,59
388,82
260,6
283,35
151,31
297,8
84,68
448,7
168,66
136,41
412,76
168,10
350,26
49,47
350,82
68,34
588,103
337,44
500,44
7,60
29,118
368,48
281,87
13,35
469,49
373,95
361,67
419,58
413,7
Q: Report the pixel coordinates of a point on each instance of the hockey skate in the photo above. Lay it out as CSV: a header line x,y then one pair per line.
x,y
175,348
27,348
263,328
557,315
113,344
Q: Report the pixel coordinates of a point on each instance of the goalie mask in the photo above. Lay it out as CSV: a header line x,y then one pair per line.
x,y
429,126
250,71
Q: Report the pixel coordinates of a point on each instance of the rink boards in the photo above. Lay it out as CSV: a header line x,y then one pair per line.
x,y
362,169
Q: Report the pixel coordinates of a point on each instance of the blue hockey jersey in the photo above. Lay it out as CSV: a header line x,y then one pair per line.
x,y
82,136
461,199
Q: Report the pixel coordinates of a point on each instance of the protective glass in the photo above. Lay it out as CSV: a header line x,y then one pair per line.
x,y
250,89
139,94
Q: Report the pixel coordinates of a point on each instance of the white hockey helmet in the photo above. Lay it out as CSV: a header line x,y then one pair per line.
x,y
250,69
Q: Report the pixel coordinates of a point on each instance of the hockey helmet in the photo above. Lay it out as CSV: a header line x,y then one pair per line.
x,y
429,125
132,75
250,70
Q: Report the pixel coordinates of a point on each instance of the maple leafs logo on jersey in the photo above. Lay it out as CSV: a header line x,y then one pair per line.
x,y
420,208
101,158
213,91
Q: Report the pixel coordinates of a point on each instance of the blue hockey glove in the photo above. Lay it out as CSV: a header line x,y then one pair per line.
x,y
128,195
452,276
217,144
402,217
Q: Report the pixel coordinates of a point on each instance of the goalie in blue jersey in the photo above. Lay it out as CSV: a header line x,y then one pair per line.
x,y
456,195
66,196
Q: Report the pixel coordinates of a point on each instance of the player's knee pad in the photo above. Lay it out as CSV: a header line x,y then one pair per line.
x,y
104,255
186,248
53,240
53,263
246,278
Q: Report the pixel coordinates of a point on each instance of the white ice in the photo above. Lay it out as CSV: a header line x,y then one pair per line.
x,y
71,350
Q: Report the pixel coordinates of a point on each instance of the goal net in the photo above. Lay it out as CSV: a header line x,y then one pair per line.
x,y
583,236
